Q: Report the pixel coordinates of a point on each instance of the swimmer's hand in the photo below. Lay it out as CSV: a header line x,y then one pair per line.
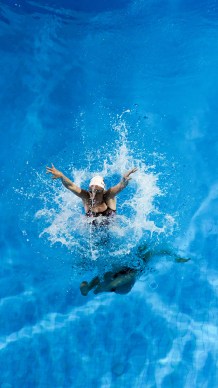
x,y
56,173
126,177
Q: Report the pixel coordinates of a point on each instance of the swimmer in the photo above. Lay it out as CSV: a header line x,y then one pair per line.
x,y
97,201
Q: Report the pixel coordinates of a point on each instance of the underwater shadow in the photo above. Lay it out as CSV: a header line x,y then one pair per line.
x,y
123,279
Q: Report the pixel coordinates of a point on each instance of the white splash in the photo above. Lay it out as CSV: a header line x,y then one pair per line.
x,y
63,213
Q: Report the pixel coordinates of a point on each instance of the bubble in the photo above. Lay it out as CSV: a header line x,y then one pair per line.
x,y
153,285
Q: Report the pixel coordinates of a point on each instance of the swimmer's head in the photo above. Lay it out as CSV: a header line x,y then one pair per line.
x,y
97,181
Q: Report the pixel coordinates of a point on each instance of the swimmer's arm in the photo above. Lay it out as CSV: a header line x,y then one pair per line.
x,y
74,188
113,191
67,182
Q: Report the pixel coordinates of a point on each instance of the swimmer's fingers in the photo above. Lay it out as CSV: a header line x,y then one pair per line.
x,y
52,170
127,175
130,172
133,170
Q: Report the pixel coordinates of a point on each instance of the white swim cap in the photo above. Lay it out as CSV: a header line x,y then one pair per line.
x,y
97,181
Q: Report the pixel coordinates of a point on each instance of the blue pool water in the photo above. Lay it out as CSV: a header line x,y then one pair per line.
x,y
101,87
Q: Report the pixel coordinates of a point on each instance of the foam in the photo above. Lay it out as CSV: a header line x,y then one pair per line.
x,y
63,213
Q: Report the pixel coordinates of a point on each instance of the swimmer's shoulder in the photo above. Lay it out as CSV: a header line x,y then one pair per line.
x,y
84,195
110,202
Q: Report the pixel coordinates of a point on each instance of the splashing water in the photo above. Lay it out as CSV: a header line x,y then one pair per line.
x,y
64,216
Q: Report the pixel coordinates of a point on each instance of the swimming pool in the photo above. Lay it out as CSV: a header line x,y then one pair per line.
x,y
100,88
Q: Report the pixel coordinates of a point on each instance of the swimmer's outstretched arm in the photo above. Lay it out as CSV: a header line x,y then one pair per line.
x,y
113,191
83,194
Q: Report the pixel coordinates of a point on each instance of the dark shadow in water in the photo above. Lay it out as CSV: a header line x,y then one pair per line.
x,y
122,280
